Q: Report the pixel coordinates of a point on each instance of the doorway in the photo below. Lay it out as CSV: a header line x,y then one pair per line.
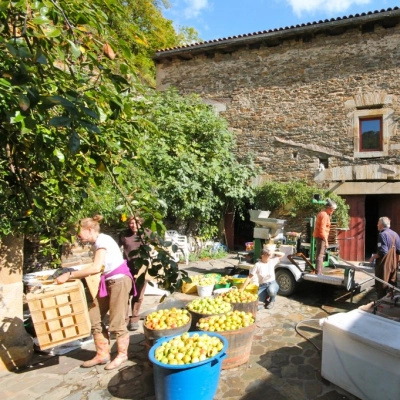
x,y
360,240
372,215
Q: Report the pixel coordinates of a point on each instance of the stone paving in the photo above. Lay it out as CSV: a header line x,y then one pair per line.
x,y
285,358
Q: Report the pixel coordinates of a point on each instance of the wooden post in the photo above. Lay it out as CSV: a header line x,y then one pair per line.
x,y
16,348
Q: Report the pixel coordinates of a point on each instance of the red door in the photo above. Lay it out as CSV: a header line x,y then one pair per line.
x,y
389,207
351,241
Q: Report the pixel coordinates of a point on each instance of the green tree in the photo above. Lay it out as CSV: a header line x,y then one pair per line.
x,y
67,93
193,159
188,35
143,27
296,198
61,91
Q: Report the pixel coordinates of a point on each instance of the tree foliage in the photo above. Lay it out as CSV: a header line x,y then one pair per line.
x,y
67,85
194,161
79,132
294,198
144,29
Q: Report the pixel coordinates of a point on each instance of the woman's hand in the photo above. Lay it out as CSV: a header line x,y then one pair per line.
x,y
244,284
63,278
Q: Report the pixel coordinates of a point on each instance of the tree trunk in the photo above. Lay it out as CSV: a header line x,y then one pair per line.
x,y
16,347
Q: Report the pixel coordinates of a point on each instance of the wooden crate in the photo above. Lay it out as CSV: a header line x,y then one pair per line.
x,y
59,313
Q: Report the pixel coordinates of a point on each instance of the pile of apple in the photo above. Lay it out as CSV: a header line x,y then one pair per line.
x,y
230,321
186,349
217,277
224,280
238,296
209,305
167,319
196,278
206,281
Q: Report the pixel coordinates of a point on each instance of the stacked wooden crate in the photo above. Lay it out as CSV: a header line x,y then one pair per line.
x,y
59,313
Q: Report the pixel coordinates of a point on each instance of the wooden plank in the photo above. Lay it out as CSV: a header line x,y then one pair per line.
x,y
66,318
93,284
59,314
92,281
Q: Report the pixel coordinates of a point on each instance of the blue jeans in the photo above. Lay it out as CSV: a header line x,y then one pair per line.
x,y
268,289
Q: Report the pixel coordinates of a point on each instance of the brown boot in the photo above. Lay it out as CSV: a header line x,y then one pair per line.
x,y
102,351
122,356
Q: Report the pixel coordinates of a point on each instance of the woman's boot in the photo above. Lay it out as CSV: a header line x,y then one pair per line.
x,y
102,351
122,356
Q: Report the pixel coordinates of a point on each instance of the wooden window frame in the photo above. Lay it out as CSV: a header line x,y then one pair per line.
x,y
371,118
387,130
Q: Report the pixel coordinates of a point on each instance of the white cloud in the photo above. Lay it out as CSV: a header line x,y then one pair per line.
x,y
335,6
195,7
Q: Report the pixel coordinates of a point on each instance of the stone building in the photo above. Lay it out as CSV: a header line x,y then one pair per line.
x,y
316,102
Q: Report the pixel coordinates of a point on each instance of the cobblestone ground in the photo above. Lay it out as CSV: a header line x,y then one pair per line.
x,y
284,361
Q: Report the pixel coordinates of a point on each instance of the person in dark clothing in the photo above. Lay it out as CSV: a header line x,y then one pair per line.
x,y
387,257
130,240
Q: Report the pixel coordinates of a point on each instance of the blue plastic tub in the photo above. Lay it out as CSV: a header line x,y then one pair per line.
x,y
198,381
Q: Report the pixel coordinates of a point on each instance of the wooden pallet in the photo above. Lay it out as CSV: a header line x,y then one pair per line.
x,y
59,313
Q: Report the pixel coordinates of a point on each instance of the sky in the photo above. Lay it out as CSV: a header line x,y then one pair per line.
x,y
216,19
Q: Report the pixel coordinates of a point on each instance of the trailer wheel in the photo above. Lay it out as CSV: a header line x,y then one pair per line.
x,y
286,282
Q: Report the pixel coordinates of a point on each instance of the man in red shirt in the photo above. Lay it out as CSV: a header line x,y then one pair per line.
x,y
321,233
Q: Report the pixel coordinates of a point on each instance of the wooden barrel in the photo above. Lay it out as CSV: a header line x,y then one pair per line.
x,y
197,316
246,307
152,335
239,346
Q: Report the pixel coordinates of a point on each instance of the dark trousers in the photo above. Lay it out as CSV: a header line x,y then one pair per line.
x,y
136,303
319,255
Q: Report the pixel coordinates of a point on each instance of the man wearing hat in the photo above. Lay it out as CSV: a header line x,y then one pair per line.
x,y
321,234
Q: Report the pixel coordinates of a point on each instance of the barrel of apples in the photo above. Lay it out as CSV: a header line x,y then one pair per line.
x,y
190,376
241,300
237,327
165,323
205,307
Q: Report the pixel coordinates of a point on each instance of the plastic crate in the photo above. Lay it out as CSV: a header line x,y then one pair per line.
x,y
217,277
222,285
59,314
238,280
252,288
189,288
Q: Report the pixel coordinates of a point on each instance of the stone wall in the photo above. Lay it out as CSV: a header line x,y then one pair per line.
x,y
293,104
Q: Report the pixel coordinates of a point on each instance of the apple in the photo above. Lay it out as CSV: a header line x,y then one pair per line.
x,y
167,319
209,305
184,349
230,321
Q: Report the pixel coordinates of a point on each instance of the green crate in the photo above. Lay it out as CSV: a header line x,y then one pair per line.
x,y
217,277
222,285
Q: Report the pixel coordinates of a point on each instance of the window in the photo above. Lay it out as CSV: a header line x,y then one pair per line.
x,y
372,129
370,134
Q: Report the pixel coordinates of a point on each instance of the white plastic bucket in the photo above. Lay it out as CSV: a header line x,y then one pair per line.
x,y
205,291
217,292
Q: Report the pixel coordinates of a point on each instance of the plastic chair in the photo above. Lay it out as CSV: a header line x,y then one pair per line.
x,y
171,234
180,241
